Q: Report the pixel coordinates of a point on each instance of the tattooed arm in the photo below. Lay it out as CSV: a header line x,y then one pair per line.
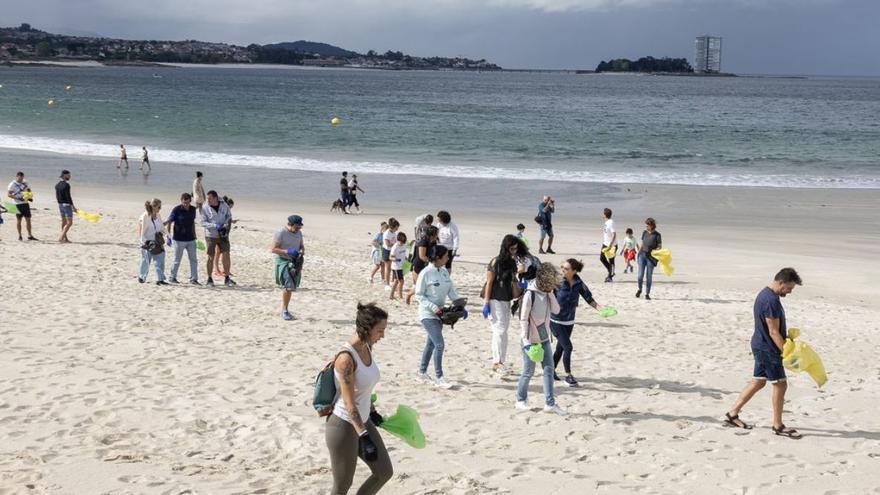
x,y
345,366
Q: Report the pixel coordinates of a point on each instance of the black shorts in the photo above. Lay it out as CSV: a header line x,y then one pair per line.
x,y
449,263
213,242
397,274
24,210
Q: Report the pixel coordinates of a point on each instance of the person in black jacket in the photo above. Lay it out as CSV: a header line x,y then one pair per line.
x,y
65,204
569,292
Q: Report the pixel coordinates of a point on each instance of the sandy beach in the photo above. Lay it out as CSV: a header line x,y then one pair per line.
x,y
110,386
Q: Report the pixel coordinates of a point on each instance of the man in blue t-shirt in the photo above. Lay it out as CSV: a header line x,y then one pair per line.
x,y
546,208
767,342
181,225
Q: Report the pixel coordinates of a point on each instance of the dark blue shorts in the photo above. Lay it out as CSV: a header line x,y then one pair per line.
x,y
386,254
768,366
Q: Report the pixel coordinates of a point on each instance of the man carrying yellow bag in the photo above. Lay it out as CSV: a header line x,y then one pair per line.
x,y
768,342
798,356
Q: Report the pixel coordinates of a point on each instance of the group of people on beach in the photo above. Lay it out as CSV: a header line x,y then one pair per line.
x,y
540,295
19,191
544,299
348,191
122,165
178,230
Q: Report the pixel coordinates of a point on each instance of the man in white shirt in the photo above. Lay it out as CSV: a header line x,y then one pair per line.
x,y
448,236
609,238
353,189
20,192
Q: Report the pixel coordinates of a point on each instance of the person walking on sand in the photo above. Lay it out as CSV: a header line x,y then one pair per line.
x,y
145,161
538,303
216,219
376,253
181,226
20,192
546,209
398,255
288,248
651,240
123,158
568,294
65,205
609,239
421,256
218,255
432,289
344,193
353,189
389,238
447,235
198,191
767,342
152,242
500,288
352,428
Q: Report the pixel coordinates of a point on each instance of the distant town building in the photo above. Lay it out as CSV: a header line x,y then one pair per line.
x,y
707,54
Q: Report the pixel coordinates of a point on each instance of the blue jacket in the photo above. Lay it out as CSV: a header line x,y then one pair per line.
x,y
567,296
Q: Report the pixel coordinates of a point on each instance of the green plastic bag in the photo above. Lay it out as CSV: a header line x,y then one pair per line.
x,y
607,312
200,245
536,353
406,267
11,208
404,424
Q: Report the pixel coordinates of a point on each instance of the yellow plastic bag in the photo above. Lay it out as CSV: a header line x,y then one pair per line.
x,y
89,217
664,259
610,252
797,356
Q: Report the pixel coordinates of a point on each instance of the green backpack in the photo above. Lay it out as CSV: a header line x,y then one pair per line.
x,y
325,396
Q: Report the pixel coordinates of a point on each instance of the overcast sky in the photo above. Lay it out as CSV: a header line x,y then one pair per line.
x,y
834,37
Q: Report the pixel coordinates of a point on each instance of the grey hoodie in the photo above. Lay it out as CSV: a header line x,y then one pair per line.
x,y
210,218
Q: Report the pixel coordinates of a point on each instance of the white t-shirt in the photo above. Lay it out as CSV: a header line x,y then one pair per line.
x,y
365,380
17,188
389,237
608,232
398,255
150,226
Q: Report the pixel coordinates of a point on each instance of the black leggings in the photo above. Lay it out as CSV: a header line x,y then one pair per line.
x,y
563,345
609,264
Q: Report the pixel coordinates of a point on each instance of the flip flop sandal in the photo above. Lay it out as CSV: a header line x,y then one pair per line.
x,y
732,422
784,431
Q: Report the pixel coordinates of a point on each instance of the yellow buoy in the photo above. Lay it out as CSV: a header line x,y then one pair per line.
x,y
334,121
51,102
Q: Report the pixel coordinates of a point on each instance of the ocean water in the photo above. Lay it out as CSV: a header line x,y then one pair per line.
x,y
816,132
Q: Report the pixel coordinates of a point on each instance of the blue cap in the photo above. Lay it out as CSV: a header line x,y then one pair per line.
x,y
295,220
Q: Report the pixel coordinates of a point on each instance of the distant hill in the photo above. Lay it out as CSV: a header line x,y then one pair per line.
x,y
313,47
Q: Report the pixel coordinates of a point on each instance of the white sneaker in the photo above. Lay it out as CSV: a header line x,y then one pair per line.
x,y
387,287
423,377
554,409
442,382
522,405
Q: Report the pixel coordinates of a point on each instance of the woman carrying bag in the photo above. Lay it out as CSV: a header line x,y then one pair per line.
x,y
351,429
152,242
538,303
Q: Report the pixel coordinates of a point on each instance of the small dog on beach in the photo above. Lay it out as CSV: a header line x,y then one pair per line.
x,y
337,205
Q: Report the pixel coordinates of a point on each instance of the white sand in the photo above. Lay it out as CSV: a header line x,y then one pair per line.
x,y
110,386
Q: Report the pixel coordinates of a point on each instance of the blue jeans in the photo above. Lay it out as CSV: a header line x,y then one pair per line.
x,y
645,265
190,248
434,345
522,388
158,264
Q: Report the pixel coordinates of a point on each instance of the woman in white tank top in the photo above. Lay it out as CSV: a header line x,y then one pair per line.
x,y
351,429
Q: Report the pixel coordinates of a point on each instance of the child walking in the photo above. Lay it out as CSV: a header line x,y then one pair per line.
x,y
629,250
388,240
376,253
398,256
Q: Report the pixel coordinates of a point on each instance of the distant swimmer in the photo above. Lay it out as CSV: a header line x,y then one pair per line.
x,y
123,158
145,161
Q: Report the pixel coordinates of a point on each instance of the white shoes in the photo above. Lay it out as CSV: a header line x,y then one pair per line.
x,y
443,383
423,377
554,409
387,288
522,405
